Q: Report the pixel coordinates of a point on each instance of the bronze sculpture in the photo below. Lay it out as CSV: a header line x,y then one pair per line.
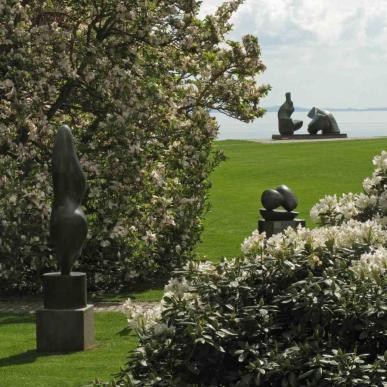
x,y
286,125
274,198
68,226
275,221
66,323
322,120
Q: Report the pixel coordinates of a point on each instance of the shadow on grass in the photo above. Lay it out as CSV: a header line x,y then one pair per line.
x,y
16,318
26,357
125,332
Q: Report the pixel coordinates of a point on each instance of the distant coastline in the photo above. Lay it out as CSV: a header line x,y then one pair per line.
x,y
349,109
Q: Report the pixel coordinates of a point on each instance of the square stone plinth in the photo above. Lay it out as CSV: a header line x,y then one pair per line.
x,y
272,227
65,330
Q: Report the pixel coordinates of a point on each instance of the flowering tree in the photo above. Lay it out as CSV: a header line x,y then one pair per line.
x,y
136,81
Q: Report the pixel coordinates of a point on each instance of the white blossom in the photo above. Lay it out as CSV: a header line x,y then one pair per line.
x,y
140,318
254,243
176,288
371,265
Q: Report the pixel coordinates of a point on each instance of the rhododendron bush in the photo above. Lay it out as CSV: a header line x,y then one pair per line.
x,y
136,81
370,204
302,308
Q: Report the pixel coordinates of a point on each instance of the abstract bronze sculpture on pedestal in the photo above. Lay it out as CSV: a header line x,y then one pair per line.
x,y
66,323
275,221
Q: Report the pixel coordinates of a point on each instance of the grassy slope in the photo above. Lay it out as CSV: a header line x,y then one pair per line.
x,y
20,365
311,169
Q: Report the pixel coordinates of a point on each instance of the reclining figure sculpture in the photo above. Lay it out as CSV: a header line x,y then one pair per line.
x,y
322,120
286,125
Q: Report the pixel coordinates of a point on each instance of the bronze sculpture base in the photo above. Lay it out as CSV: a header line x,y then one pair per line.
x,y
271,227
65,330
64,291
67,322
309,136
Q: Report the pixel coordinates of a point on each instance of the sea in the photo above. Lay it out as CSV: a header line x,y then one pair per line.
x,y
357,124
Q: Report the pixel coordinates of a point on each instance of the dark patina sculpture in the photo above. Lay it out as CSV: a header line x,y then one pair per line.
x,y
286,125
274,220
274,198
66,323
322,120
68,228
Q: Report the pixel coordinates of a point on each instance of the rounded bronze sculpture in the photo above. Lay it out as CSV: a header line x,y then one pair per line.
x,y
271,199
289,200
275,221
68,225
274,198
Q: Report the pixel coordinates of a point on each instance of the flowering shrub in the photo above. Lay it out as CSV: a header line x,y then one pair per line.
x,y
302,308
136,81
370,204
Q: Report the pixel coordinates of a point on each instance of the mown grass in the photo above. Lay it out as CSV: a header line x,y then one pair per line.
x,y
310,169
22,366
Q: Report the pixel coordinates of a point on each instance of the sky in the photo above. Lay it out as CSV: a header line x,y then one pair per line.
x,y
327,53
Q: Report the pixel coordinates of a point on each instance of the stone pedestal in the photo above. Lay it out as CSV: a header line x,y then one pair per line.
x,y
65,330
66,323
272,227
309,136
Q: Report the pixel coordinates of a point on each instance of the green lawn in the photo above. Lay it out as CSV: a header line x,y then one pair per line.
x,y
21,366
310,169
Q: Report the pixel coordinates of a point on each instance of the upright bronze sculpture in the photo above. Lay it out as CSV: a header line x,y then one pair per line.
x,y
286,125
322,120
68,228
66,323
275,221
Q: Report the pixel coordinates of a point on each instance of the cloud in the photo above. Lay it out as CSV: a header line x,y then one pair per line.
x,y
328,21
330,51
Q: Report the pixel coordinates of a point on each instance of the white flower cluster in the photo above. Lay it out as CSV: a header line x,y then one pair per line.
x,y
140,318
334,210
204,267
372,204
176,288
254,244
371,265
292,242
370,184
380,162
